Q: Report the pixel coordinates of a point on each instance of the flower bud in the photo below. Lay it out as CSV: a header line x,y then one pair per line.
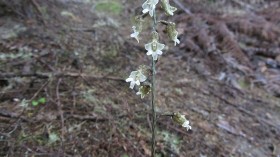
x,y
155,40
172,33
169,10
155,36
137,28
144,90
146,70
149,6
138,23
181,120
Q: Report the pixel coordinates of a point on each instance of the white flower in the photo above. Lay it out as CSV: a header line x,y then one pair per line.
x,y
154,48
186,125
139,93
176,40
135,77
135,33
149,6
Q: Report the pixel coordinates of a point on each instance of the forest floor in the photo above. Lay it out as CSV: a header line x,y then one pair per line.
x,y
63,64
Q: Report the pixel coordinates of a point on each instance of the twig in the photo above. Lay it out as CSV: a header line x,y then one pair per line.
x,y
47,75
83,29
163,22
94,118
33,97
88,118
179,4
40,89
37,7
9,114
60,113
247,6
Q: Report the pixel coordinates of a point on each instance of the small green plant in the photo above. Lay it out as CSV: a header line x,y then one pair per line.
x,y
113,7
172,141
145,77
39,101
53,137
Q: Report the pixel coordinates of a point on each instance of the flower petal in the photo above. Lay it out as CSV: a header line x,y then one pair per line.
x,y
151,12
133,74
132,84
154,56
142,78
137,82
134,28
145,11
186,124
160,46
145,7
148,46
155,2
158,52
134,35
149,6
149,53
129,79
177,41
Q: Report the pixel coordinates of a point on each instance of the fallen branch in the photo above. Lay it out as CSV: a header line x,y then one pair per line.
x,y
8,114
101,119
57,74
59,107
180,5
246,6
37,7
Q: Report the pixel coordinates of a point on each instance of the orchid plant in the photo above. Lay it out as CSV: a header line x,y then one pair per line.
x,y
140,77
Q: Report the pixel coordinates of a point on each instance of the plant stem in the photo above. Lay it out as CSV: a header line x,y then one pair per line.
x,y
153,97
153,110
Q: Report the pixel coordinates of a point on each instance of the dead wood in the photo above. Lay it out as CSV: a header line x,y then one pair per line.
x,y
13,115
57,74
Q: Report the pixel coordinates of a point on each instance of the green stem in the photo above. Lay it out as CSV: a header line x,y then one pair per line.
x,y
153,97
153,110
